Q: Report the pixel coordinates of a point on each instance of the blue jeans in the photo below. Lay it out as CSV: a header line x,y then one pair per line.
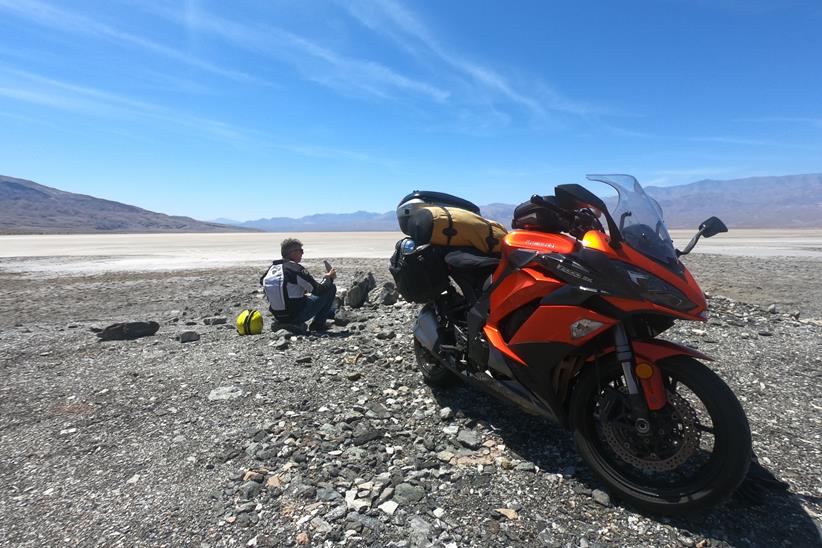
x,y
317,307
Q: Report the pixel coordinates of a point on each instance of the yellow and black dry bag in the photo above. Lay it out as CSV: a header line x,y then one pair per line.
x,y
250,322
452,226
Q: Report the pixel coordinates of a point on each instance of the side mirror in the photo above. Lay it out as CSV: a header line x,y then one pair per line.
x,y
712,227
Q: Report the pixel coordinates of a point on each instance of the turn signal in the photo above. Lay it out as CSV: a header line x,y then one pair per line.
x,y
644,370
584,327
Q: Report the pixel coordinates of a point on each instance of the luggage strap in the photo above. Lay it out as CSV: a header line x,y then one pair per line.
x,y
247,322
490,241
449,231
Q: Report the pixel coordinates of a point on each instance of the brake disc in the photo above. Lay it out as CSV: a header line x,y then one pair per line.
x,y
623,439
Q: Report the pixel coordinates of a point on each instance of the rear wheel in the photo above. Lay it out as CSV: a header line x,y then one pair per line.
x,y
433,372
696,453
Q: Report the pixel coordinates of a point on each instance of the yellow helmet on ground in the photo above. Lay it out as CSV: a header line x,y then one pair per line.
x,y
250,322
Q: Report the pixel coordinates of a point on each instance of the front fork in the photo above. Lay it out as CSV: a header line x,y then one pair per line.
x,y
644,381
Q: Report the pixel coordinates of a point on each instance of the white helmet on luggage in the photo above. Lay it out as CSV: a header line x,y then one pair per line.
x,y
421,198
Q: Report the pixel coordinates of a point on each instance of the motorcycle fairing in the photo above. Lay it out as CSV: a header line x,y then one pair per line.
x,y
658,349
552,323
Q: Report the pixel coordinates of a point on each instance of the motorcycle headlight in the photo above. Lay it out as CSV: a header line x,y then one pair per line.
x,y
655,289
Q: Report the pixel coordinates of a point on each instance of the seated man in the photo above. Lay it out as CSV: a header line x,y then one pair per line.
x,y
287,283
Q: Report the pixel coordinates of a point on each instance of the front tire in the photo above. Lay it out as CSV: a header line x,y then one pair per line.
x,y
699,450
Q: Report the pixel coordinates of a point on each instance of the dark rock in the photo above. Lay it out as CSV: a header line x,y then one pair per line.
x,y
385,295
327,494
248,490
367,436
217,320
344,316
357,294
405,493
188,336
396,477
128,331
470,439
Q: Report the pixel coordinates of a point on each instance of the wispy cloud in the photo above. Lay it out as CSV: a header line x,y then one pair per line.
x,y
409,32
315,62
48,92
65,21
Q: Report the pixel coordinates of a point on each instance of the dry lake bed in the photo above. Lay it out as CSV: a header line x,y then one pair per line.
x,y
92,253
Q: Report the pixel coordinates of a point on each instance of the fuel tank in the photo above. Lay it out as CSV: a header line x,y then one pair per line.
x,y
527,284
541,242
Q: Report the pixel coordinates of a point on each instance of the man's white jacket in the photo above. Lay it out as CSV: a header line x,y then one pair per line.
x,y
286,284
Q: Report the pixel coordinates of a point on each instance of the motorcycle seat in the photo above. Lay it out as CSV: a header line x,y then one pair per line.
x,y
469,260
471,270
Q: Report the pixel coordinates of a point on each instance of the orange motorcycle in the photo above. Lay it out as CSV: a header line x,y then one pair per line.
x,y
564,321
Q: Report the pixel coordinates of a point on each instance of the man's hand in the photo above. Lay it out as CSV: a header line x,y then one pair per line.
x,y
331,274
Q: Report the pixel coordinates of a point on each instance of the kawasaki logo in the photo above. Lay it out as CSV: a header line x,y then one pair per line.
x,y
539,244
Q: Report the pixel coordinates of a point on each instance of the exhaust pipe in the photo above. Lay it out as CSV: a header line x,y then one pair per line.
x,y
426,330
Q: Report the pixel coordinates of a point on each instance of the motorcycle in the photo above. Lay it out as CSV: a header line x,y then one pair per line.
x,y
565,324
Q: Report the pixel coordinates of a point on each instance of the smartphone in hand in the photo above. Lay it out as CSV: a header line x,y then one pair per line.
x,y
327,266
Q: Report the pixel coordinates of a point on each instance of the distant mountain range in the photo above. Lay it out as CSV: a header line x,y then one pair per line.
x,y
790,201
29,208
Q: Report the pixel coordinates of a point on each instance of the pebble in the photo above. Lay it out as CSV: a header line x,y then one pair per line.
x,y
389,507
508,513
405,493
188,336
451,430
470,439
248,490
601,497
217,320
223,393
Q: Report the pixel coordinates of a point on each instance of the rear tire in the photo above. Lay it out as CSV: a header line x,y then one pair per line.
x,y
433,372
687,465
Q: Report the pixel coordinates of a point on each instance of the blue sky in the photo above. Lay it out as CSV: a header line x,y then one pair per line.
x,y
285,108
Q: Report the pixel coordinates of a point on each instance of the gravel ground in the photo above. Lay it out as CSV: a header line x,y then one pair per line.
x,y
275,440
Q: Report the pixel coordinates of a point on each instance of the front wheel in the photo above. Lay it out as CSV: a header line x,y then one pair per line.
x,y
696,453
